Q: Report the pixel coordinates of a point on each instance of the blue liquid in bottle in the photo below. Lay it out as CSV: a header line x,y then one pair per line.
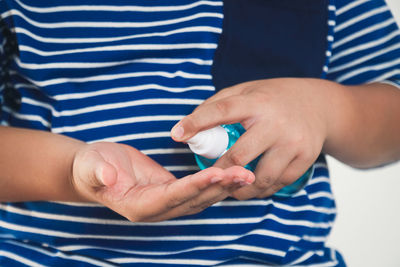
x,y
234,132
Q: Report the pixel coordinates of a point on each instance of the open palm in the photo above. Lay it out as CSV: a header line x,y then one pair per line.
x,y
129,182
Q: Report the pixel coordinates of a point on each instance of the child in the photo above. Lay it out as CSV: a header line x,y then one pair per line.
x,y
91,89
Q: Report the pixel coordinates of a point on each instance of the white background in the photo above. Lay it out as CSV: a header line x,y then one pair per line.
x,y
367,229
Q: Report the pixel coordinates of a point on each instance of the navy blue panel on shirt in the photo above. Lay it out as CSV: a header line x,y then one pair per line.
x,y
269,39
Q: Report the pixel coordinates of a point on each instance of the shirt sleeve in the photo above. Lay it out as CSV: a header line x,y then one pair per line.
x,y
2,67
8,50
366,45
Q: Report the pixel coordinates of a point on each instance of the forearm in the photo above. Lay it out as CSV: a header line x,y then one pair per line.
x,y
364,125
36,165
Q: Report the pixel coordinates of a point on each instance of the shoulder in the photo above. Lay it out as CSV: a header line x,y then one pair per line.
x,y
366,45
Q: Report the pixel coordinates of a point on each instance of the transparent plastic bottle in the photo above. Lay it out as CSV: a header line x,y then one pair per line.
x,y
211,144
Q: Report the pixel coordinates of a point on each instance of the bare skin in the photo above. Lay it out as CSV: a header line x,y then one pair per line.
x,y
37,165
291,121
137,187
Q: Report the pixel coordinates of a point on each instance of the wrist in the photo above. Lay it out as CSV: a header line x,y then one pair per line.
x,y
76,194
340,115
365,126
61,167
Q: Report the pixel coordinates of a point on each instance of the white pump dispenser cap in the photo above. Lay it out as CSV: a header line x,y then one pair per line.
x,y
211,143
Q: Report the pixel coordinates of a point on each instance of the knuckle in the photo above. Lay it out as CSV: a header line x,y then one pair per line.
x,y
236,157
265,182
190,122
223,107
297,139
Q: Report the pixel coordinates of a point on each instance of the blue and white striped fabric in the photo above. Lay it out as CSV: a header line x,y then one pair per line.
x,y
367,44
127,72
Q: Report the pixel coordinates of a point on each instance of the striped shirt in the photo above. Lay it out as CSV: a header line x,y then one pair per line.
x,y
127,72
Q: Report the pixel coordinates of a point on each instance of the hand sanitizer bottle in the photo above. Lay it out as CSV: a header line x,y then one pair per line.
x,y
211,144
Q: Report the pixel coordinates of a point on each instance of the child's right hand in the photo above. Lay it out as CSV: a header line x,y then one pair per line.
x,y
129,182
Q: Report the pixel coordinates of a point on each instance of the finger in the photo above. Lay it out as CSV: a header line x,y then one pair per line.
x,y
106,174
239,175
226,92
220,182
224,111
269,169
293,172
248,147
274,165
207,198
186,188
234,178
172,194
94,170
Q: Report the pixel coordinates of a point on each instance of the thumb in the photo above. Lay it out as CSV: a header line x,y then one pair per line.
x,y
95,170
105,174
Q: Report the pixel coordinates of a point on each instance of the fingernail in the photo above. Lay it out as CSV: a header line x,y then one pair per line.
x,y
238,180
177,131
216,180
242,182
250,178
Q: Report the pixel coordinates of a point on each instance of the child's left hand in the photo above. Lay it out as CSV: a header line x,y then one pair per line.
x,y
286,121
